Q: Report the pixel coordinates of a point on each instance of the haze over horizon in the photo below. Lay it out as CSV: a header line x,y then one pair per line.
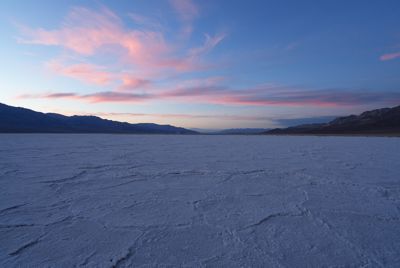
x,y
201,64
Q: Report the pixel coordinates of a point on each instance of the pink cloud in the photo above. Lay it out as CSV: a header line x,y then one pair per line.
x,y
83,31
109,96
87,34
60,95
188,116
133,83
99,97
269,96
139,56
94,74
299,97
85,72
390,56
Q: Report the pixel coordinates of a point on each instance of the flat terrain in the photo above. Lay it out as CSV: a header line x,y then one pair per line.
x,y
212,201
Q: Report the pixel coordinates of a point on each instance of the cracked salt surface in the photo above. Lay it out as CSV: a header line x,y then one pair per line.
x,y
199,201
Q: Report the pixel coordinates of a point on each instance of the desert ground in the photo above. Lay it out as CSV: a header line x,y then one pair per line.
x,y
199,201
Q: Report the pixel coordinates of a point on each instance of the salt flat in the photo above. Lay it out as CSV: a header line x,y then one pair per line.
x,y
211,201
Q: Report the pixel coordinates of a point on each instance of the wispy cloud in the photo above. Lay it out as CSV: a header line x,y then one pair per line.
x,y
261,96
299,97
390,56
272,95
190,116
209,43
51,96
85,72
142,52
86,32
106,96
83,31
132,83
141,59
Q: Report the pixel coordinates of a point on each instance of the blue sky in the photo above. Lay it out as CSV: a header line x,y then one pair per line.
x,y
201,64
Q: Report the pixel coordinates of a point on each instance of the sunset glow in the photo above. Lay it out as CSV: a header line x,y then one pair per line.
x,y
200,64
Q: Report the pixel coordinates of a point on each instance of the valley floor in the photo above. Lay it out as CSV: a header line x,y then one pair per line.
x,y
199,201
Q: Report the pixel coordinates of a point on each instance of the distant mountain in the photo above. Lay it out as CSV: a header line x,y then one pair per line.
x,y
240,131
21,120
380,121
291,122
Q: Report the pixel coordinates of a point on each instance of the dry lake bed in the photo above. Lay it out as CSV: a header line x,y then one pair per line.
x,y
199,201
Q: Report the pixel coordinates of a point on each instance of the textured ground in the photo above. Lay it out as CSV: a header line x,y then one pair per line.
x,y
212,201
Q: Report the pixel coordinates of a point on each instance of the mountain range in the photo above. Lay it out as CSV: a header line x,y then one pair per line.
x,y
21,120
384,121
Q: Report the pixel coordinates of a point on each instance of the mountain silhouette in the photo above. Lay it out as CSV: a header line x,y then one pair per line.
x,y
380,121
21,120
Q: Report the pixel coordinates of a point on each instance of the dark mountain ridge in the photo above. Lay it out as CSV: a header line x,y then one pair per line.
x,y
22,120
380,121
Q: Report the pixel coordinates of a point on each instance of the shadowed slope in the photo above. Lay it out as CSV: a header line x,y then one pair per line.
x,y
380,121
21,120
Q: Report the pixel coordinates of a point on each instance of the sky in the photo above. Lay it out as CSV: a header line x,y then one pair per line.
x,y
210,64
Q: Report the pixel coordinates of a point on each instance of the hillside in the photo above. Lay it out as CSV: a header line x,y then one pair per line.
x,y
380,121
21,120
